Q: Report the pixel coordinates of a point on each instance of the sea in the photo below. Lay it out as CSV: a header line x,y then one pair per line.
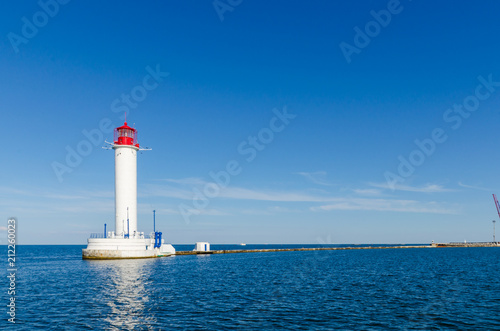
x,y
372,289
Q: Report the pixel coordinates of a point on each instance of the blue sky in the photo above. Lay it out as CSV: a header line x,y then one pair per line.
x,y
202,78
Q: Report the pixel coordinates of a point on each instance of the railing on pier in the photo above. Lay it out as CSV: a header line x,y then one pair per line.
x,y
97,235
138,235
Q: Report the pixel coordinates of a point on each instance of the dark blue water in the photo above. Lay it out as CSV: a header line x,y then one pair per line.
x,y
425,288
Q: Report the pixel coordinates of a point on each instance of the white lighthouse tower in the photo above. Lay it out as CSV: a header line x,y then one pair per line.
x,y
126,147
126,241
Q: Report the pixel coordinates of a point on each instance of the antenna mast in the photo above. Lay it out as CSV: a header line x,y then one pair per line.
x,y
498,211
494,239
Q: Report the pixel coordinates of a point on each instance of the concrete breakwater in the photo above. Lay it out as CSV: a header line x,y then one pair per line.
x,y
295,249
433,245
465,244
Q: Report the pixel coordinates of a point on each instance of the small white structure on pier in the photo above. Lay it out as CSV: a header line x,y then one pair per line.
x,y
201,246
126,242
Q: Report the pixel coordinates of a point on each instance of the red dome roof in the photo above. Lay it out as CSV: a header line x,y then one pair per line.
x,y
125,135
125,126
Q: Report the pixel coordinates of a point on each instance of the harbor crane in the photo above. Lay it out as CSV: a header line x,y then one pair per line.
x,y
497,204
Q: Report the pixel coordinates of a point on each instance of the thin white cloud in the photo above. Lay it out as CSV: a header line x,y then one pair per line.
x,y
428,188
186,181
65,197
52,203
186,191
167,192
247,194
145,208
211,212
269,211
373,192
15,191
407,206
87,207
58,195
257,212
57,203
474,187
278,209
318,177
176,211
54,207
99,194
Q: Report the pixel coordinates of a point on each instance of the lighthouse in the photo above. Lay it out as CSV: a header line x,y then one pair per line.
x,y
126,241
126,147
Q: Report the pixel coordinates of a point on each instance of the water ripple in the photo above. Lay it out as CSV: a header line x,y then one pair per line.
x,y
390,289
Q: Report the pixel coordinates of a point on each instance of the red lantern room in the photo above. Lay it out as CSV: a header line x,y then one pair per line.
x,y
125,135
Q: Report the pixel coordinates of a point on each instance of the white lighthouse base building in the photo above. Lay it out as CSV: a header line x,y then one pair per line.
x,y
126,248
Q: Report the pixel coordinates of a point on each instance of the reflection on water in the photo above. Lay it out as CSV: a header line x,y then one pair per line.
x,y
124,292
